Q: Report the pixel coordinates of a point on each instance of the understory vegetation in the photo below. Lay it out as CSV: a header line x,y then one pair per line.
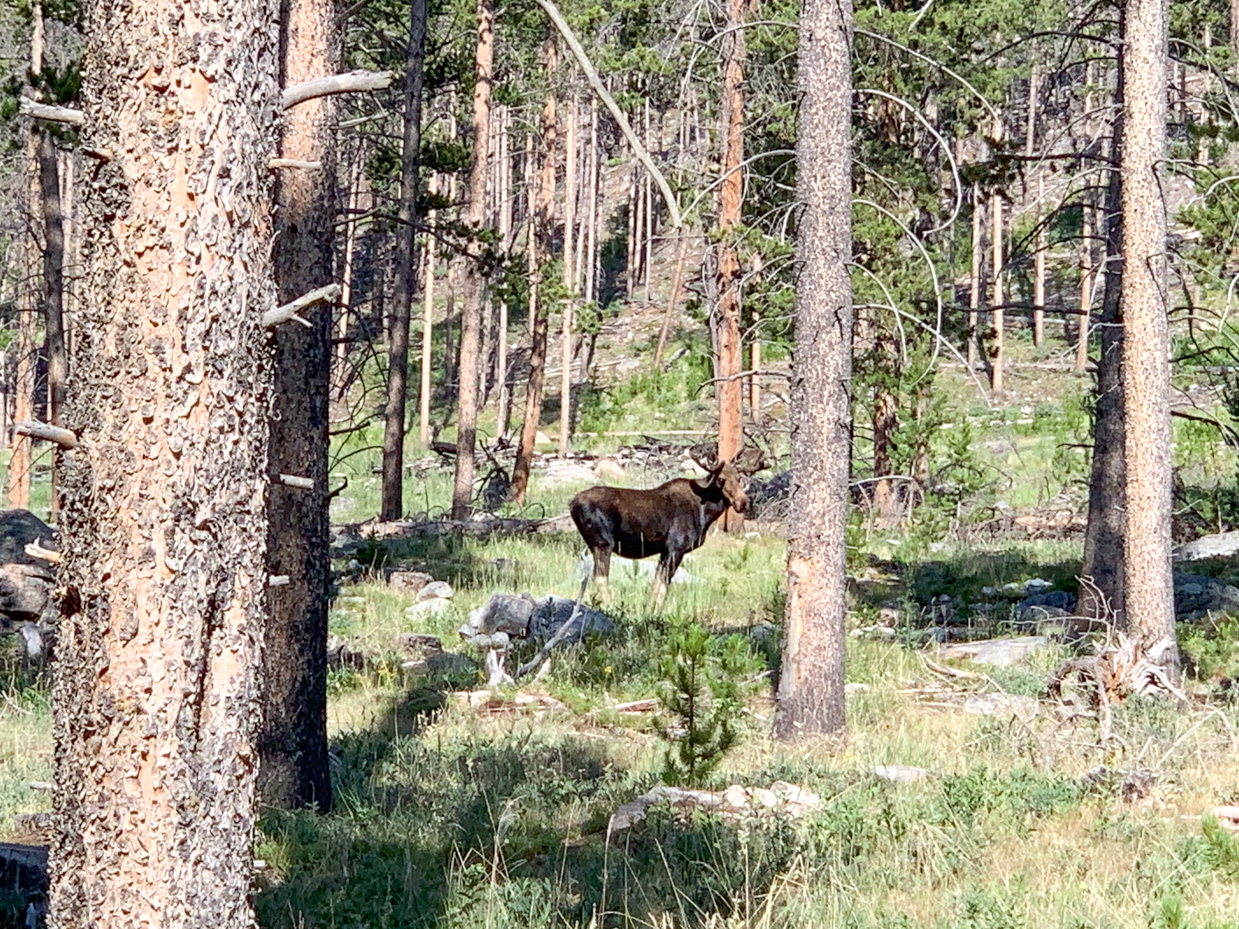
x,y
455,812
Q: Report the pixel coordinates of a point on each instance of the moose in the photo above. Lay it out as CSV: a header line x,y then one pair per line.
x,y
669,521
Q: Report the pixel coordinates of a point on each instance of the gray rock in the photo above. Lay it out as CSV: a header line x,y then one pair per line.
x,y
1049,605
561,473
1219,545
505,613
1001,705
998,652
412,581
1198,595
435,590
552,612
424,609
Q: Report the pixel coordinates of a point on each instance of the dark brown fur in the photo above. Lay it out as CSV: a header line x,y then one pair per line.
x,y
669,521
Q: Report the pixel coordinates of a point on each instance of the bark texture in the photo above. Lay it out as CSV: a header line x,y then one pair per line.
x,y
471,310
1146,350
392,505
810,696
1103,596
542,218
293,769
155,695
728,360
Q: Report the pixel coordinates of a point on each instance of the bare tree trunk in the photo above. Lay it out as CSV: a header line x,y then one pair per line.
x,y
974,298
293,770
1146,360
730,390
428,318
1104,596
542,222
1086,284
591,249
156,693
504,413
21,460
885,425
755,380
673,298
398,345
565,353
467,403
647,189
810,692
450,370
995,350
636,223
53,292
1039,268
350,245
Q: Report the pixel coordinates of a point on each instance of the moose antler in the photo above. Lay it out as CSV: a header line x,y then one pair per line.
x,y
748,461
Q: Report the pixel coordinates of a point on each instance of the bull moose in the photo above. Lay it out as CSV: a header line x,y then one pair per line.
x,y
669,521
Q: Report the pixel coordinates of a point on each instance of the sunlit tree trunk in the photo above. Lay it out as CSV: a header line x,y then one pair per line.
x,y
565,353
996,234
1039,268
810,696
974,296
729,389
471,309
504,412
156,706
1146,352
392,506
1086,284
293,769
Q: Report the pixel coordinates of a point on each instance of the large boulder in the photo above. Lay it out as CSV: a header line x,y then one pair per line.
x,y
506,617
1197,595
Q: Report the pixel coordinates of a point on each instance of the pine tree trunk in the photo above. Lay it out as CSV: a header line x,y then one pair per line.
x,y
1086,284
392,506
974,296
995,351
1146,360
565,353
647,190
504,412
885,425
21,460
810,694
53,292
1104,596
755,379
350,246
730,390
429,262
542,202
1039,268
156,693
470,319
293,769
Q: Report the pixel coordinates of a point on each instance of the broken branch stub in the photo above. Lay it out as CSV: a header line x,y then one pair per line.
x,y
62,437
49,113
288,312
353,82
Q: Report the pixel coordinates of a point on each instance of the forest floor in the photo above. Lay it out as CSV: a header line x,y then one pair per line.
x,y
460,810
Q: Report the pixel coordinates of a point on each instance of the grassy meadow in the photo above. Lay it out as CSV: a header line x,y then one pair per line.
x,y
456,814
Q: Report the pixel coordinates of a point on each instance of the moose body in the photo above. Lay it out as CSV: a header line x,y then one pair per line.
x,y
669,521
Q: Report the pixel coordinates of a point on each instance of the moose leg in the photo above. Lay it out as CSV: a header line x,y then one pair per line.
x,y
668,564
602,573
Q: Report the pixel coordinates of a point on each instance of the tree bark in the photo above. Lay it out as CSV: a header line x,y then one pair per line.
x,y
428,319
471,310
293,769
995,351
1105,595
728,360
542,222
974,296
21,460
53,292
156,692
1146,357
1086,284
504,411
392,506
810,694
565,353
1039,269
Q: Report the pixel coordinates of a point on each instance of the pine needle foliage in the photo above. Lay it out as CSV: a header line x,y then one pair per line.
x,y
701,689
